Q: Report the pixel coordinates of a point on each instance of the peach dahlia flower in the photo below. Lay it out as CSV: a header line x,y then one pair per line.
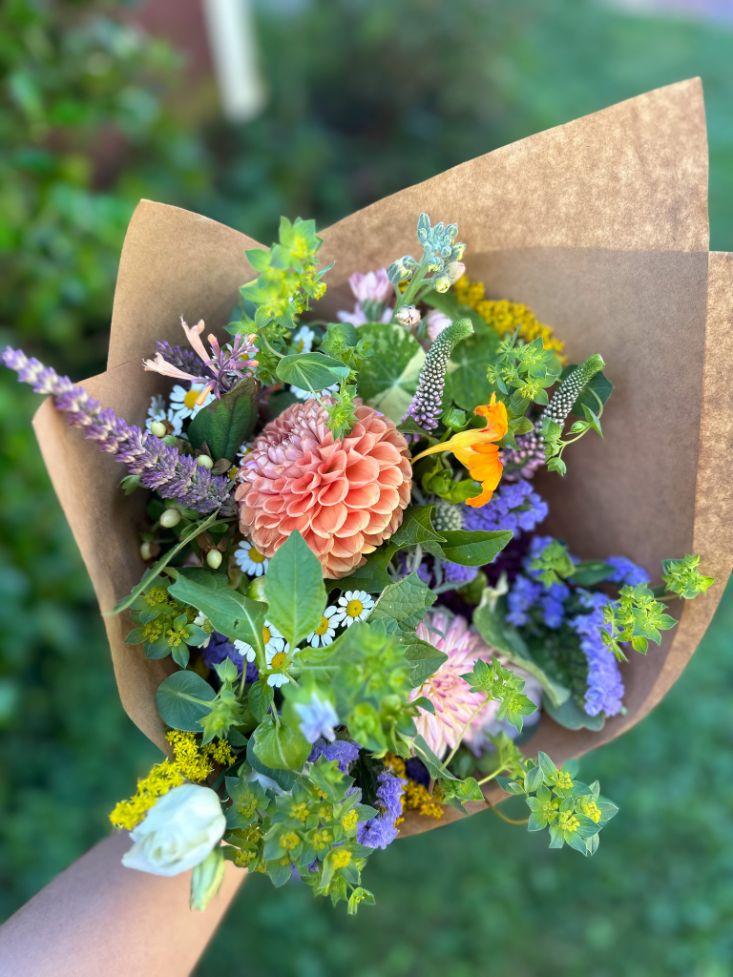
x,y
345,497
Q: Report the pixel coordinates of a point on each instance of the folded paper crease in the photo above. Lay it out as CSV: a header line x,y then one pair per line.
x,y
601,226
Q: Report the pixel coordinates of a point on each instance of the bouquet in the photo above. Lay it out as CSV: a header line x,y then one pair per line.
x,y
353,618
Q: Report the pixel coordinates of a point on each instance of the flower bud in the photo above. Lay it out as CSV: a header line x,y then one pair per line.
x,y
147,550
170,518
455,270
205,461
158,429
442,283
214,559
409,316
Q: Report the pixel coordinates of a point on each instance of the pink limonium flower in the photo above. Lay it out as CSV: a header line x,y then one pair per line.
x,y
220,367
459,715
344,496
372,292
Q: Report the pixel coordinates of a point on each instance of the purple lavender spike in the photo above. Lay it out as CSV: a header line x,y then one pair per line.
x,y
160,466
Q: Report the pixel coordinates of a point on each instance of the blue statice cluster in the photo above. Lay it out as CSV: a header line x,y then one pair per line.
x,y
381,830
515,507
528,592
220,648
605,690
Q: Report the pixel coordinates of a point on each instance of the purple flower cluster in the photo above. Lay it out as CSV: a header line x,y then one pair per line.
x,y
528,592
605,690
381,830
625,571
219,648
515,507
344,752
161,467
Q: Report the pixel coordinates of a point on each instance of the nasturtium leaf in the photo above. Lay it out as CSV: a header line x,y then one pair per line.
x,y
471,548
231,613
183,699
226,423
388,375
294,590
311,371
466,383
416,528
404,603
279,746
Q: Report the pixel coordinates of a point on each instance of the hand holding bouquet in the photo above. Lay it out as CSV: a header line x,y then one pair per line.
x,y
352,617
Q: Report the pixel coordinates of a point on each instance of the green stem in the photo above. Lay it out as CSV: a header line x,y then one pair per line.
x,y
490,776
474,715
507,820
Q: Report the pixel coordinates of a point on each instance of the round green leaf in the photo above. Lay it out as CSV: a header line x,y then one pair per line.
x,y
183,699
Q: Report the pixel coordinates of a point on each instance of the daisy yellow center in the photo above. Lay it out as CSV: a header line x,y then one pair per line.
x,y
191,398
279,660
266,635
255,555
322,627
354,608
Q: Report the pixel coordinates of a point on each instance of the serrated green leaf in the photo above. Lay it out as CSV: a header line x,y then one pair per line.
x,y
417,528
404,603
294,590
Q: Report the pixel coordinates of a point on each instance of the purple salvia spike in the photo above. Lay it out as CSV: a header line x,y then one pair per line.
x,y
160,466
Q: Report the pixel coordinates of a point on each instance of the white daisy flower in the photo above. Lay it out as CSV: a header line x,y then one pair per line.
x,y
303,339
326,630
278,658
184,403
310,394
250,560
271,638
201,621
354,605
160,411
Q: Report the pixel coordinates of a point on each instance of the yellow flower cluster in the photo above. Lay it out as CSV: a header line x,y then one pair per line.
x,y
416,797
189,761
506,317
589,807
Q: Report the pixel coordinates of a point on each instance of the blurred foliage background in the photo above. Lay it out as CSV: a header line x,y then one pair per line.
x,y
364,97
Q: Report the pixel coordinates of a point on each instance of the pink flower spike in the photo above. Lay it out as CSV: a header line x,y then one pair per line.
x,y
159,365
193,335
374,286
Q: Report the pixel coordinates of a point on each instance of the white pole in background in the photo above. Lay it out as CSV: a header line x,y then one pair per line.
x,y
231,31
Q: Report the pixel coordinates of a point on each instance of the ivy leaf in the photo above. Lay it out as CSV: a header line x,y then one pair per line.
x,y
227,422
294,590
404,603
279,746
231,613
311,371
183,699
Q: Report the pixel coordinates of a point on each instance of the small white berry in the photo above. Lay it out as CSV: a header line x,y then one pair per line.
x,y
158,429
204,461
170,518
213,559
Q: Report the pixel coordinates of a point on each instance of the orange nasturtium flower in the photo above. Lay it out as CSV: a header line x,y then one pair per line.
x,y
477,451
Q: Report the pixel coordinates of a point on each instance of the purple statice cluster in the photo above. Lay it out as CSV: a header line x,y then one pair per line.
x,y
515,507
344,752
219,648
381,830
528,592
160,466
605,690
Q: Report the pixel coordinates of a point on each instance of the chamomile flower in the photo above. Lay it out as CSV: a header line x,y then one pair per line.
x,y
279,658
326,631
161,412
250,560
354,605
184,403
310,394
271,639
303,339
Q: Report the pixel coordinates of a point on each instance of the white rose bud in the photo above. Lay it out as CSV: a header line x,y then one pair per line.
x,y
178,832
409,316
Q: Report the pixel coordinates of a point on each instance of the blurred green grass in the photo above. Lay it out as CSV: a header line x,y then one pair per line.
x,y
373,96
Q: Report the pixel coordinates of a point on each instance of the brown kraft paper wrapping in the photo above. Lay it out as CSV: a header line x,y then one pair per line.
x,y
601,227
